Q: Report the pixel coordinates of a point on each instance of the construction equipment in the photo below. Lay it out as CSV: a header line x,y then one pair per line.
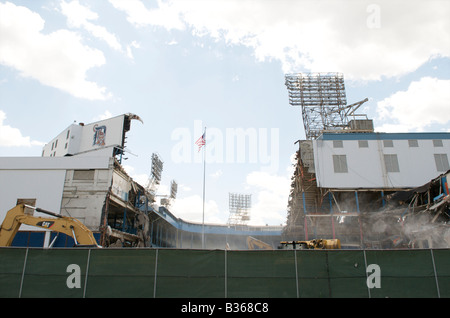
x,y
255,244
62,224
315,244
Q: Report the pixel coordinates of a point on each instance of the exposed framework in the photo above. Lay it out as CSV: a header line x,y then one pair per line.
x,y
367,218
322,98
239,205
323,101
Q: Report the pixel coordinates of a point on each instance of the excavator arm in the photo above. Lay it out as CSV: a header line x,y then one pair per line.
x,y
255,244
61,224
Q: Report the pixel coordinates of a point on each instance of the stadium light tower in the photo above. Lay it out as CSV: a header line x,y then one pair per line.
x,y
155,175
323,101
239,205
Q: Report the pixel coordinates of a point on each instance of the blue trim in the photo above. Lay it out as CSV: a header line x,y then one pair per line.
x,y
384,136
182,225
444,183
357,201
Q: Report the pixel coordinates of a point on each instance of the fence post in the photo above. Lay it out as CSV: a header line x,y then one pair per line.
x,y
367,277
435,274
296,273
87,272
156,272
226,269
23,272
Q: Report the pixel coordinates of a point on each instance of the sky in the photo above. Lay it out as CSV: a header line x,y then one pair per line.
x,y
184,65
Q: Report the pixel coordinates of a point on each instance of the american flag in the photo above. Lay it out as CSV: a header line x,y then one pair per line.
x,y
201,141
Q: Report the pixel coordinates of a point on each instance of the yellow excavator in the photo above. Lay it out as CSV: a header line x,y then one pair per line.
x,y
255,244
62,224
316,244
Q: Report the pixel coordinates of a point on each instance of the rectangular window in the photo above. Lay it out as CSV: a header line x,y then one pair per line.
x,y
363,144
340,163
413,143
83,175
391,163
441,162
437,143
388,143
338,144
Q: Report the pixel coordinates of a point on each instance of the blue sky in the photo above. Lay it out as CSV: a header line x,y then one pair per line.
x,y
182,65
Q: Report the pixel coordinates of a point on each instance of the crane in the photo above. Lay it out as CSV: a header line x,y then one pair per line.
x,y
62,224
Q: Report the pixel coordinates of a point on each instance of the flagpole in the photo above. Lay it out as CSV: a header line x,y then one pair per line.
x,y
204,170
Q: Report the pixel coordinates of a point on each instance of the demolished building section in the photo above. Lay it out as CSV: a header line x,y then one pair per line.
x,y
348,179
107,201
80,175
369,218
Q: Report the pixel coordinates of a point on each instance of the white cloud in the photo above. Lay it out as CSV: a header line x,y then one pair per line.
x,y
173,42
424,103
57,59
191,209
79,16
361,39
183,187
107,114
217,174
12,137
140,178
133,44
139,15
269,203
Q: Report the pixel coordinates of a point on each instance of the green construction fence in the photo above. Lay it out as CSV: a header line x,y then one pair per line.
x,y
186,273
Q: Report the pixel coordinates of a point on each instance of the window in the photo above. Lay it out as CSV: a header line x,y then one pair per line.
x,y
68,134
388,143
413,143
391,163
437,143
340,163
363,144
338,144
441,162
83,175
